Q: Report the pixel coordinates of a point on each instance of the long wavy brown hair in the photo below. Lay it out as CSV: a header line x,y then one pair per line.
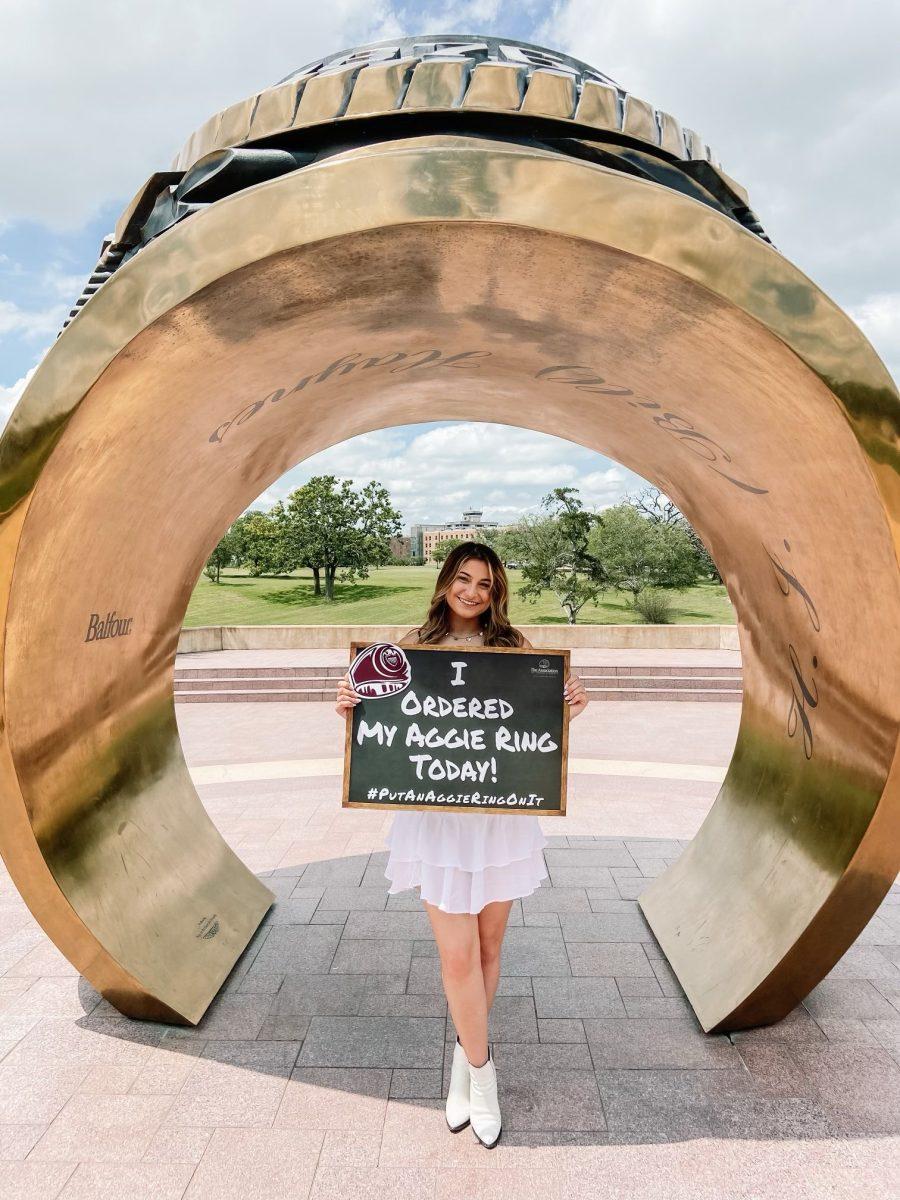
x,y
494,621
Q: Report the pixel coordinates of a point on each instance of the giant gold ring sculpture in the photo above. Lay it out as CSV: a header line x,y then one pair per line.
x,y
436,229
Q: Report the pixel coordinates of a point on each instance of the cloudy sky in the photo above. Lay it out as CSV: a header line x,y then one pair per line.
x,y
799,101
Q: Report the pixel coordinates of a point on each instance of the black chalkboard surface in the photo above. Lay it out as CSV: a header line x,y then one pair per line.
x,y
443,729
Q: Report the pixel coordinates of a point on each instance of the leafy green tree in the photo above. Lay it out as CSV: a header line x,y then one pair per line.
x,y
504,542
327,526
238,536
379,521
495,538
255,540
223,555
659,509
555,553
289,551
637,553
443,548
489,536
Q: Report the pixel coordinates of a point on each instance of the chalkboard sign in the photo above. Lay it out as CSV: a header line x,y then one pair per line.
x,y
444,729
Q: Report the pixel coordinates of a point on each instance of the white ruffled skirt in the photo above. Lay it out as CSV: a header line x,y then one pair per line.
x,y
463,861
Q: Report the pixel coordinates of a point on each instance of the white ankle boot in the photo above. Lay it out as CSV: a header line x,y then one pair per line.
x,y
458,1095
484,1107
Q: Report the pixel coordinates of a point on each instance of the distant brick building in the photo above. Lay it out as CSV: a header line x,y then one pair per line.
x,y
416,533
424,538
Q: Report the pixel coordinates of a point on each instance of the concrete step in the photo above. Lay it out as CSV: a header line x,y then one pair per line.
x,y
606,672
721,695
236,696
295,694
231,682
185,673
593,684
296,684
687,683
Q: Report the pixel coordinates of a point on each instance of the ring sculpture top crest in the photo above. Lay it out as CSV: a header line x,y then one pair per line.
x,y
440,228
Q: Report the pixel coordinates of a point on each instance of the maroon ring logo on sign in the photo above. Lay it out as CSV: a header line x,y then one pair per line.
x,y
380,670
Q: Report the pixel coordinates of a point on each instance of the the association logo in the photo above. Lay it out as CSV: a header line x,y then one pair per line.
x,y
544,668
380,670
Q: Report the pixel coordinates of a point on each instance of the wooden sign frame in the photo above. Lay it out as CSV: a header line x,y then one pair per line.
x,y
563,654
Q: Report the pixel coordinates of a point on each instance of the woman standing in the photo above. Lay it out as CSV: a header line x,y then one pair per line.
x,y
469,867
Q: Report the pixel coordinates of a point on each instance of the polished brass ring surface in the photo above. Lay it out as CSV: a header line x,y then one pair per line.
x,y
450,278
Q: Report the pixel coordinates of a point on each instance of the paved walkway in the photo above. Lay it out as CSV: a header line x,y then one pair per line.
x,y
320,1069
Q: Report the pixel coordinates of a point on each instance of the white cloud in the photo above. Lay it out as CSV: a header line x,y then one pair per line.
x,y
801,102
30,323
433,474
461,16
879,319
266,500
97,95
9,396
55,281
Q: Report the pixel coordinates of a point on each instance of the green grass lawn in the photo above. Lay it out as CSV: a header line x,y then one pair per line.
x,y
400,596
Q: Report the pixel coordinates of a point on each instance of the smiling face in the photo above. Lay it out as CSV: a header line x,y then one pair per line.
x,y
469,595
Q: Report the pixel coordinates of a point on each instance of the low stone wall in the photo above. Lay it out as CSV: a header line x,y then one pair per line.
x,y
339,637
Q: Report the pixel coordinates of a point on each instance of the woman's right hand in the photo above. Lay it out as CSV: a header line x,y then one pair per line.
x,y
347,698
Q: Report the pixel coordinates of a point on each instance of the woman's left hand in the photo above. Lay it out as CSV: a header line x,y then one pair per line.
x,y
576,695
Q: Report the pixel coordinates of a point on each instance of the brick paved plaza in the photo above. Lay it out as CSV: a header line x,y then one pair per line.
x,y
321,1067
